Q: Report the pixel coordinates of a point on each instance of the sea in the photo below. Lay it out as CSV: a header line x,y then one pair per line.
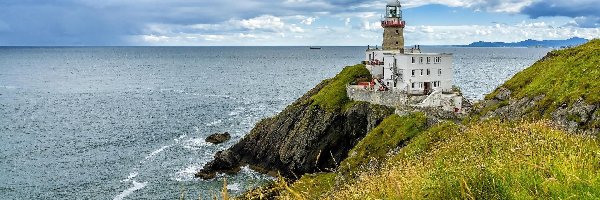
x,y
130,122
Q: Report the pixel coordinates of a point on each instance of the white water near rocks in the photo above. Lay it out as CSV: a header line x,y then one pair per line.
x,y
130,122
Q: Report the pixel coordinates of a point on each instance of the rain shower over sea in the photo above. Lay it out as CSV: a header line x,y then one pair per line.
x,y
130,122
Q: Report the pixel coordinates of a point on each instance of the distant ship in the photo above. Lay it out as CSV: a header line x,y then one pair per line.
x,y
315,47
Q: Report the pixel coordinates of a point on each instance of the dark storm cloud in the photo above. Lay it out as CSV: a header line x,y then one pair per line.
x,y
585,12
108,22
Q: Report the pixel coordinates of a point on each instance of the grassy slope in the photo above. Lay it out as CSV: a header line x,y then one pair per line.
x,y
484,160
391,133
488,160
333,96
563,76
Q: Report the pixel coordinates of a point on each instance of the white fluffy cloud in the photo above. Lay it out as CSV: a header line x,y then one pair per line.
x,y
512,6
362,27
308,20
465,34
92,22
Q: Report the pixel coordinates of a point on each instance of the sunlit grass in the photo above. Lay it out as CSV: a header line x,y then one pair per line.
x,y
333,96
488,160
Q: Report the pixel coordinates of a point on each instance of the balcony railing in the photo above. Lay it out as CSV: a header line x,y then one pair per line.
x,y
375,62
400,24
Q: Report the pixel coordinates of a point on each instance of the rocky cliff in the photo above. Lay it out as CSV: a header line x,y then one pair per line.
x,y
313,134
562,87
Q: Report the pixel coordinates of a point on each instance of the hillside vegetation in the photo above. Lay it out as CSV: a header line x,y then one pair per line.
x,y
519,154
563,87
484,160
333,96
489,160
563,76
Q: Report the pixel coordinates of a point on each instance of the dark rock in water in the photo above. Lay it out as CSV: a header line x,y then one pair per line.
x,y
218,138
224,161
303,138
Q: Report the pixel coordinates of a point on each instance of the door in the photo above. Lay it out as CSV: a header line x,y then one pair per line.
x,y
427,88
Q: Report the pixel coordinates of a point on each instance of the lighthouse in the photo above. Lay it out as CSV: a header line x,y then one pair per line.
x,y
393,27
402,77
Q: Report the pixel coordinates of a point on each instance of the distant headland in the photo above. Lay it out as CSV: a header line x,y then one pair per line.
x,y
575,41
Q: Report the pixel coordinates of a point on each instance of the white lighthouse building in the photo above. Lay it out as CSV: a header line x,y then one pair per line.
x,y
409,70
404,76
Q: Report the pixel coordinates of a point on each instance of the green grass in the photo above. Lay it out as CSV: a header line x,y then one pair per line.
x,y
312,186
392,132
563,76
479,160
485,160
333,96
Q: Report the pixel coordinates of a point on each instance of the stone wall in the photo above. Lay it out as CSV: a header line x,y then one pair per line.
x,y
387,98
437,100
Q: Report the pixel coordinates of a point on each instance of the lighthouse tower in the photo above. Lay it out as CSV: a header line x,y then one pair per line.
x,y
393,27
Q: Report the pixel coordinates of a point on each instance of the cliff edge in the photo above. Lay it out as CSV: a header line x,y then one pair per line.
x,y
509,147
313,134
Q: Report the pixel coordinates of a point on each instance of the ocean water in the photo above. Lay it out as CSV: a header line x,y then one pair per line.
x,y
130,122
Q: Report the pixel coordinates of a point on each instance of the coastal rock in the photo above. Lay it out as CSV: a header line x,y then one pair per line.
x,y
218,138
576,118
503,94
224,161
303,138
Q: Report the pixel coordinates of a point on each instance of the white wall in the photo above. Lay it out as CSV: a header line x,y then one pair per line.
x,y
423,62
425,71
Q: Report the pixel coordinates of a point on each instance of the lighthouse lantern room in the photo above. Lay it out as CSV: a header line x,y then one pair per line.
x,y
393,27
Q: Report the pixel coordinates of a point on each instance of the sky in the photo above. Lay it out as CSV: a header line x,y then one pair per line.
x,y
288,22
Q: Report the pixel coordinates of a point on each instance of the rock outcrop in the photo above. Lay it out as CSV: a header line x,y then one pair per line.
x,y
561,87
218,138
304,138
578,117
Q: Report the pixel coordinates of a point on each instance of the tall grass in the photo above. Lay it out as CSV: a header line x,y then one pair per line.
x,y
487,160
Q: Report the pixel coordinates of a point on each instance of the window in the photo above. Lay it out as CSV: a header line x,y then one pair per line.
x,y
439,72
428,72
397,32
437,60
435,84
413,85
413,72
414,60
428,60
396,42
421,72
421,60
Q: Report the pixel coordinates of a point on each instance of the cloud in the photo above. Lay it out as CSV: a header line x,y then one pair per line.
x,y
308,20
265,22
133,22
371,26
585,12
509,6
562,8
465,34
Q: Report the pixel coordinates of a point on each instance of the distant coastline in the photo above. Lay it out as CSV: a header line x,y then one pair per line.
x,y
575,41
